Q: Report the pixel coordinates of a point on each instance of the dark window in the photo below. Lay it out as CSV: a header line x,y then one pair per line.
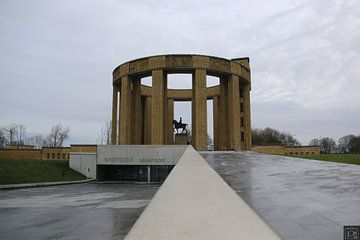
x,y
241,92
53,155
241,107
242,122
242,136
48,155
158,173
291,153
58,155
122,173
64,155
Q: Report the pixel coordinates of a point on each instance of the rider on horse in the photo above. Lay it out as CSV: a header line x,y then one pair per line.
x,y
178,125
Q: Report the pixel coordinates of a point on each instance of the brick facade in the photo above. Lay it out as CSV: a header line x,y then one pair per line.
x,y
281,150
46,153
144,114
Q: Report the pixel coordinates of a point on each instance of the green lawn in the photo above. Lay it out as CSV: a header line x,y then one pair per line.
x,y
342,158
31,171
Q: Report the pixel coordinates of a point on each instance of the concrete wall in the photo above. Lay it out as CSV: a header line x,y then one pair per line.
x,y
84,163
195,203
139,154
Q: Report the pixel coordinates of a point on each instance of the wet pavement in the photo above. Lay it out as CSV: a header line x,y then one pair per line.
x,y
300,199
79,211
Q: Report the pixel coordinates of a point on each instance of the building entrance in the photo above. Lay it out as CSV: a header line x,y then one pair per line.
x,y
133,173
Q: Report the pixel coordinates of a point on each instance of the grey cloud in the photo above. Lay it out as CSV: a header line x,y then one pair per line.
x,y
57,58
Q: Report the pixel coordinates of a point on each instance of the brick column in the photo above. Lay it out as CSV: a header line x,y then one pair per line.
x,y
159,85
199,111
114,115
136,112
147,120
247,110
216,122
118,117
242,116
125,111
234,112
223,115
169,119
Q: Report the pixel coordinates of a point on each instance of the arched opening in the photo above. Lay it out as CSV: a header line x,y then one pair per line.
x,y
146,81
179,81
182,109
212,81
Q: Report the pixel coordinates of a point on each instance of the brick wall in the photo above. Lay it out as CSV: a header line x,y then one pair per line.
x,y
287,150
46,153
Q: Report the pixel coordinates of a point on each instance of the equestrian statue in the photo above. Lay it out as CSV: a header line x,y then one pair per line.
x,y
179,125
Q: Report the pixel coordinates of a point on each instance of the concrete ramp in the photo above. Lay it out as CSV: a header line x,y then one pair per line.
x,y
195,203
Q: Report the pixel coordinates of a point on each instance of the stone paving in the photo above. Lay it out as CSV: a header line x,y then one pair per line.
x,y
80,211
298,198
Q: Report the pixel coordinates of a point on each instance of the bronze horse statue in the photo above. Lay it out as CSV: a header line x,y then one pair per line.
x,y
179,125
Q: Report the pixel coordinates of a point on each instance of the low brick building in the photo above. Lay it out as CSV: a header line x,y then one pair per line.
x,y
46,153
282,150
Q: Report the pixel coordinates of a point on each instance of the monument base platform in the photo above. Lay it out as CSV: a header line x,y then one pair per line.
x,y
181,139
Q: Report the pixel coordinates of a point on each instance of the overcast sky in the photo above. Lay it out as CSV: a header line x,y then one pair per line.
x,y
57,57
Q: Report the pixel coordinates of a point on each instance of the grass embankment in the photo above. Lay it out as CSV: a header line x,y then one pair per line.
x,y
341,158
33,171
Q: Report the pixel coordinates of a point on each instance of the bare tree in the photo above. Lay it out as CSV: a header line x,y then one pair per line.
x,y
57,136
210,143
3,139
12,131
344,143
16,133
38,141
354,145
105,134
314,142
270,136
289,140
189,133
21,134
327,145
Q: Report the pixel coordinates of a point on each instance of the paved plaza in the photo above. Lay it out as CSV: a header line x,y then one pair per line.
x,y
79,211
300,199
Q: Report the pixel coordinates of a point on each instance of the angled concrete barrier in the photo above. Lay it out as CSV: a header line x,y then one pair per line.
x,y
84,163
195,203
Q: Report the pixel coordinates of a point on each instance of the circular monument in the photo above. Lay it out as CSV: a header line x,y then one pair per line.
x,y
144,115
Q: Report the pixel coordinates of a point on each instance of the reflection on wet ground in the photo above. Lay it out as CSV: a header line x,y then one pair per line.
x,y
298,198
80,211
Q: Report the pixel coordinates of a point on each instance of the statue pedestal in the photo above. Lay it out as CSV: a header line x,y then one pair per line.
x,y
181,139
